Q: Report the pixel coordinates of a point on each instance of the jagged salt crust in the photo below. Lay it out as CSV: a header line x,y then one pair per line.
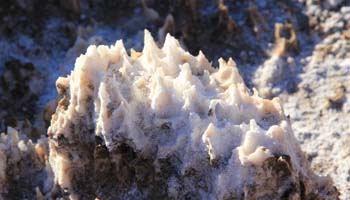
x,y
24,168
162,123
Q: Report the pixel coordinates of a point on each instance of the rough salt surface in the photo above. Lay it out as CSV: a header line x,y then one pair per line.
x,y
24,167
165,123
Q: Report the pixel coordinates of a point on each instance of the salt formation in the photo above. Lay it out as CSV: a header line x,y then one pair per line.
x,y
275,73
162,123
24,167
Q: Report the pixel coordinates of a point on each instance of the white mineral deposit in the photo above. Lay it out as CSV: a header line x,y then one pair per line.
x,y
163,123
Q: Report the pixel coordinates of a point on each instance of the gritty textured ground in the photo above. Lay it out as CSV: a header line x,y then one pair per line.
x,y
321,126
39,42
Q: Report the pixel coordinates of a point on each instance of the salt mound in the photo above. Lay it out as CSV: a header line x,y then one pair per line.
x,y
163,123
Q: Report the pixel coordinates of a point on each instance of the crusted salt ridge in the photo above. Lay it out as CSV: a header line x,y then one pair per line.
x,y
165,104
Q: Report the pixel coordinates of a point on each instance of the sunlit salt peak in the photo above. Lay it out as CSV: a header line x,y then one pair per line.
x,y
165,101
168,84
